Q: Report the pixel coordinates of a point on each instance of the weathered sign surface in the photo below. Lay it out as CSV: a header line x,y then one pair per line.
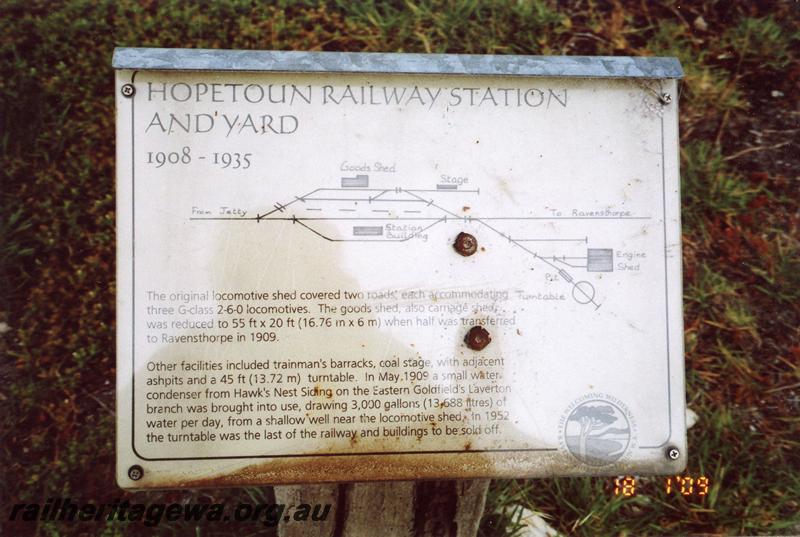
x,y
363,267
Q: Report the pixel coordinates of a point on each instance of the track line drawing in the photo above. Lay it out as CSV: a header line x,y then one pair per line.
x,y
355,190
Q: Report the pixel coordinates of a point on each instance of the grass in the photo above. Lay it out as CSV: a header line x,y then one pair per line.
x,y
739,130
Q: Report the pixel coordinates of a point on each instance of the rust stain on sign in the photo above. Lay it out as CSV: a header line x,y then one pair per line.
x,y
465,244
477,338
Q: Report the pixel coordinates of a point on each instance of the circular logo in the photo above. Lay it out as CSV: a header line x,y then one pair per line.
x,y
597,432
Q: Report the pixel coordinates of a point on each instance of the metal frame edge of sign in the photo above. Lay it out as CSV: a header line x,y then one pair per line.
x,y
181,59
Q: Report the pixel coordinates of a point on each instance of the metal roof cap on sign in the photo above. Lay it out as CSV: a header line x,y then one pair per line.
x,y
379,62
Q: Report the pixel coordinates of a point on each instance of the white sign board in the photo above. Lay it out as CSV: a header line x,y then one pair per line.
x,y
291,305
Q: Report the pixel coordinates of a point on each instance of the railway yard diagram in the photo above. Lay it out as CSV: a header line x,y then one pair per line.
x,y
359,212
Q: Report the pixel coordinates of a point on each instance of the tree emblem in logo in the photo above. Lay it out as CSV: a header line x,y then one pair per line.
x,y
597,432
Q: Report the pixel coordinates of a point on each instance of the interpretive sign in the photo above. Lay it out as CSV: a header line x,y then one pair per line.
x,y
348,267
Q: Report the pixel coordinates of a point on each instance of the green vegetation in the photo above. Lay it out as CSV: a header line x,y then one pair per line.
x,y
740,159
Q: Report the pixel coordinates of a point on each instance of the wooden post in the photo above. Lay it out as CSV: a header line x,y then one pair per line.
x,y
390,509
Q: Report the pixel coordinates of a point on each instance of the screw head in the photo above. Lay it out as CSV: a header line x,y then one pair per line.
x,y
665,98
477,338
128,90
465,244
136,472
673,453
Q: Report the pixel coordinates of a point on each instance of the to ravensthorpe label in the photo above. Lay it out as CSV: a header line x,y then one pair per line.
x,y
292,283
